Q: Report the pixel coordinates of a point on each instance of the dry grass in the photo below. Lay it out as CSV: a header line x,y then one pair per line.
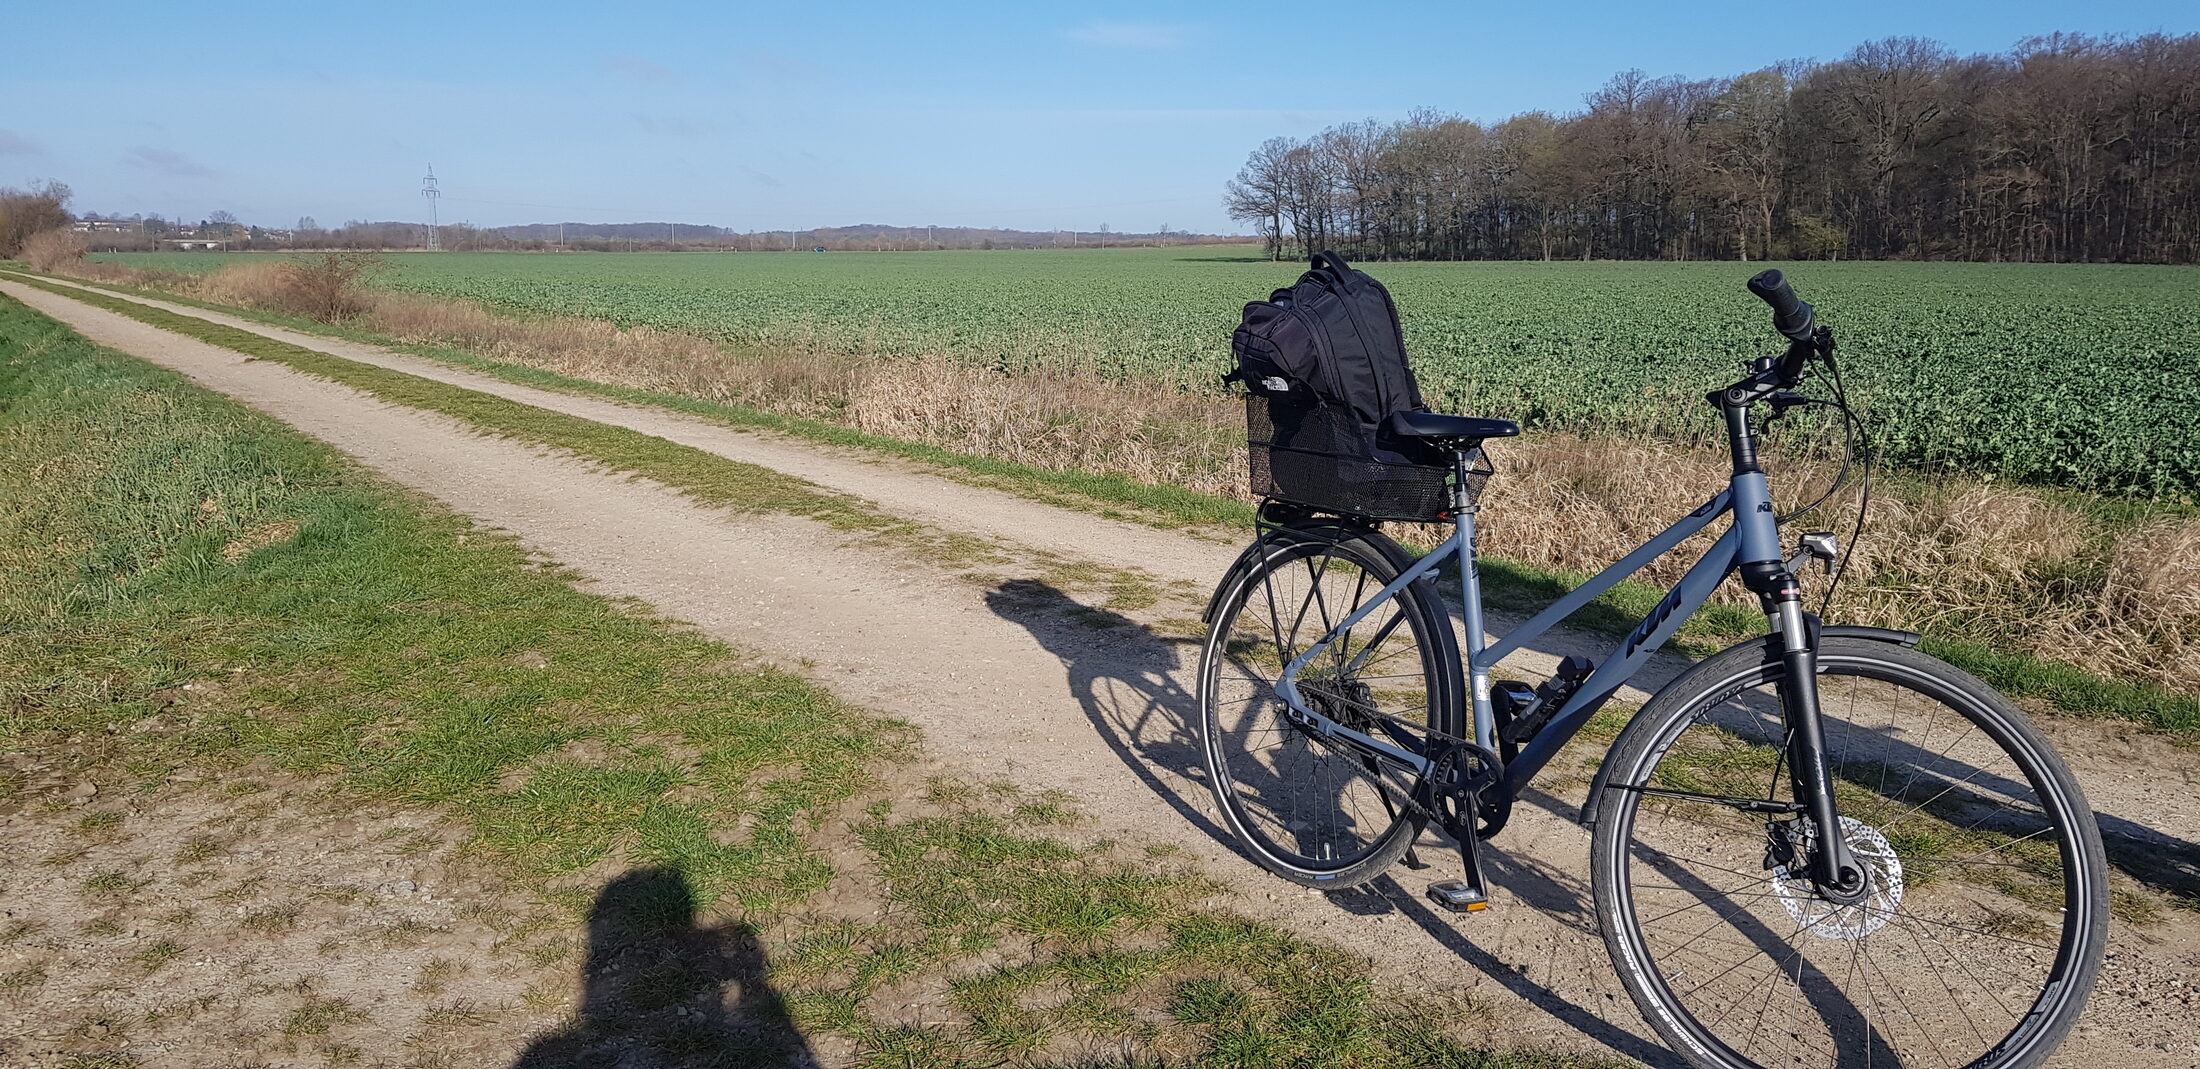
x,y
324,287
252,283
641,357
1063,420
53,250
2012,567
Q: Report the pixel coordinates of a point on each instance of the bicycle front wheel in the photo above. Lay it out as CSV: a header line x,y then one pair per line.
x,y
1309,810
1982,929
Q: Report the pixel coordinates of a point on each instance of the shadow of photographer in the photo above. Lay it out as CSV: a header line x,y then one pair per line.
x,y
659,990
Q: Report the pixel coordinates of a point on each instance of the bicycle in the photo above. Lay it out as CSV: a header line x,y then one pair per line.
x,y
1820,847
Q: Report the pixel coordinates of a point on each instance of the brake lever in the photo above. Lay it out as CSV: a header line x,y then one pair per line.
x,y
1819,347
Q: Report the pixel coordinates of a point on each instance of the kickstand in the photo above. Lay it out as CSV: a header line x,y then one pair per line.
x,y
1467,895
1413,860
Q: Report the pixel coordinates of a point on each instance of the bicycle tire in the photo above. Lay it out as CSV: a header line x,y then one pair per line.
x,y
1304,809
1969,893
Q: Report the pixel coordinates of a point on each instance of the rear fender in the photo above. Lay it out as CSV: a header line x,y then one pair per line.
x,y
1320,530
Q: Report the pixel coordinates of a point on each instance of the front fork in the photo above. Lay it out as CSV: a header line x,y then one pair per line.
x,y
1839,878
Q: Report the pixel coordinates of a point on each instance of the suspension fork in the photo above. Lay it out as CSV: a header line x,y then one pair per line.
x,y
1832,867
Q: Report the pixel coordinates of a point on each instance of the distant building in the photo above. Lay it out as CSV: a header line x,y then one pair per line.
x,y
194,244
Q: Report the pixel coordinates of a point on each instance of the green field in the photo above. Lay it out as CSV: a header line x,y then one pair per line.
x,y
2085,376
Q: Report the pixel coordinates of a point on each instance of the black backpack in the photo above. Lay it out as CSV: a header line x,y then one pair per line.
x,y
1333,336
1324,366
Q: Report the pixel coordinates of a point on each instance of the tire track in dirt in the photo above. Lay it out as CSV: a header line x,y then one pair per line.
x,y
986,672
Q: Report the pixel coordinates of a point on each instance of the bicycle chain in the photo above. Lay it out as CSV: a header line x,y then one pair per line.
x,y
1452,743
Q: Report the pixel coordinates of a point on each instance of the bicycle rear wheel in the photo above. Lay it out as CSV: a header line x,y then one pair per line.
x,y
1982,930
1311,811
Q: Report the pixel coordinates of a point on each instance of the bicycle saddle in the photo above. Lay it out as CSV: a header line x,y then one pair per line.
x,y
1448,432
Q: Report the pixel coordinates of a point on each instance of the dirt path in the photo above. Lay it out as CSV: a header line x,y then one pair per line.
x,y
1034,686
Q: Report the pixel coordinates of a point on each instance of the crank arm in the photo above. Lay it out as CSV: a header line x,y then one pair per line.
x,y
1470,894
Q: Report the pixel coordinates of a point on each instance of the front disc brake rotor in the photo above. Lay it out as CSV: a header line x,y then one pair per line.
x,y
1829,920
1798,894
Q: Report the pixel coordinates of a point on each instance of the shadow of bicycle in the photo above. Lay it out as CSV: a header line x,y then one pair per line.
x,y
1133,686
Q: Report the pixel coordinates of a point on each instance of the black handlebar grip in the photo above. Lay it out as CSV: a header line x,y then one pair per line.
x,y
1790,315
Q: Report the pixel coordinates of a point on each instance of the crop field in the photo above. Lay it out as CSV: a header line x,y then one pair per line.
x,y
2086,376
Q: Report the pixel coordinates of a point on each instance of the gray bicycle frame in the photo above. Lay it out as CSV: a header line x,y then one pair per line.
x,y
1753,537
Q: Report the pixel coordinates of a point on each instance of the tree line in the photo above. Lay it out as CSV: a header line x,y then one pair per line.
x,y
2064,148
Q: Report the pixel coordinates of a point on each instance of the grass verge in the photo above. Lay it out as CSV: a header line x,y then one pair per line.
x,y
1508,584
156,538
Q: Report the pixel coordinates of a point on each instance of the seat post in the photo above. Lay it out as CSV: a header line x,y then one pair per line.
x,y
1461,471
1463,511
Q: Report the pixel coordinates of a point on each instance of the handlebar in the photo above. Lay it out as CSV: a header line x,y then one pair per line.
x,y
1790,315
1794,318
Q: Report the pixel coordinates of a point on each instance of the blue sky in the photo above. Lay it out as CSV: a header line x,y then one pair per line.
x,y
1027,115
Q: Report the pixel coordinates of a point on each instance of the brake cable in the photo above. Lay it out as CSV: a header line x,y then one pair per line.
x,y
1858,458
1862,433
1848,453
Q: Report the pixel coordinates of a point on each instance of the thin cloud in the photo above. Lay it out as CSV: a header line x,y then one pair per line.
x,y
163,161
1149,36
15,144
634,68
761,178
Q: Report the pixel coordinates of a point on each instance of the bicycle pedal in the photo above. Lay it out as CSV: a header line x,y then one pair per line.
x,y
1457,896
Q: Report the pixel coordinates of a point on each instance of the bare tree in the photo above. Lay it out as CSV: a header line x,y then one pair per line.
x,y
1256,195
1744,131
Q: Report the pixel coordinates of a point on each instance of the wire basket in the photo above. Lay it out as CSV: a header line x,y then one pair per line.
x,y
1322,456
